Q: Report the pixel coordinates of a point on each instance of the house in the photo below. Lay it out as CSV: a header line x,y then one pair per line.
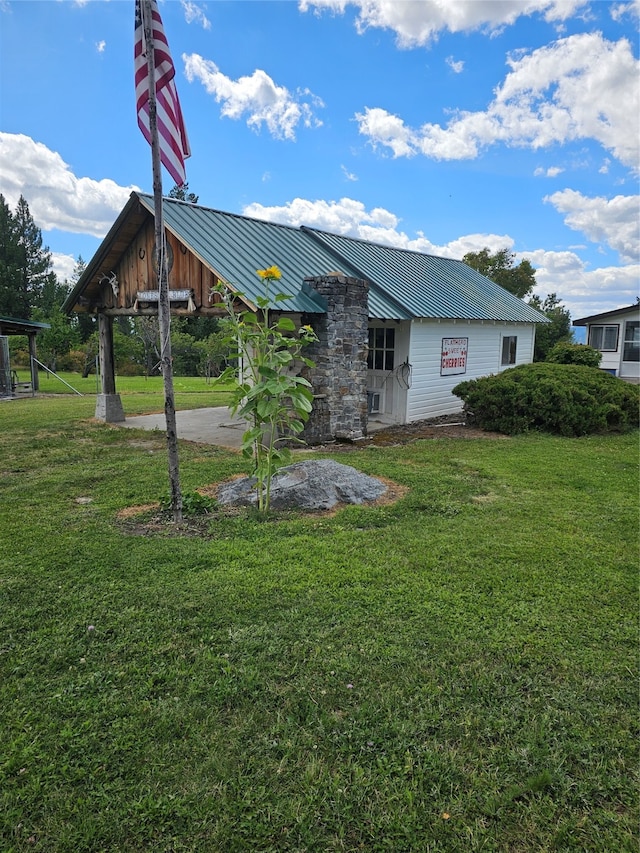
x,y
397,329
617,335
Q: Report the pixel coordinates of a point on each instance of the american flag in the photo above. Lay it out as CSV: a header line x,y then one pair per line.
x,y
172,136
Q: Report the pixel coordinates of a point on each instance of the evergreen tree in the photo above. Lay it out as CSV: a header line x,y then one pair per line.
x,y
35,271
86,323
11,303
182,194
25,265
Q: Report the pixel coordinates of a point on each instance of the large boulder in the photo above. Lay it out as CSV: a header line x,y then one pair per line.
x,y
315,484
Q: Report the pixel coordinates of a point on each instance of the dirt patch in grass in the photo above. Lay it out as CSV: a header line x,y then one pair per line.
x,y
150,520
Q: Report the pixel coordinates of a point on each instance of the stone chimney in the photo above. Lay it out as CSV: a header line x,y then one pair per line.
x,y
339,378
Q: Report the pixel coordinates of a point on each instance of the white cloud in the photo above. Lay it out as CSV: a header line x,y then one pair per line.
x,y
418,23
456,66
101,46
63,265
350,176
257,97
612,221
620,10
584,292
351,218
551,172
56,197
193,12
580,87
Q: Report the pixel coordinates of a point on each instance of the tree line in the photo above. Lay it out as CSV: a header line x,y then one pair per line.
x,y
30,290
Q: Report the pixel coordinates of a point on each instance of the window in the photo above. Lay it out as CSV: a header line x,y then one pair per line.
x,y
604,338
631,350
381,349
509,345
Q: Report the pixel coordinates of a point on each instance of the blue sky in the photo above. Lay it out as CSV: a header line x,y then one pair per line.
x,y
441,126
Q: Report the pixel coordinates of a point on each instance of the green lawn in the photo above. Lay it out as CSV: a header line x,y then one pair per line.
x,y
456,672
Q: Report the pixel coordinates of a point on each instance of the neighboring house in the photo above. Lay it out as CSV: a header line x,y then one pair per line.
x,y
398,329
617,335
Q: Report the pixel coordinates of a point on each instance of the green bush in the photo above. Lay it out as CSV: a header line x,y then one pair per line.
x,y
567,399
565,352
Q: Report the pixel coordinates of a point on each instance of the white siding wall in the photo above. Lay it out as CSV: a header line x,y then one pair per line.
x,y
392,384
430,394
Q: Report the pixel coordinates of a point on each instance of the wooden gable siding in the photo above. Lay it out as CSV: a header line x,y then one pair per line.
x,y
135,272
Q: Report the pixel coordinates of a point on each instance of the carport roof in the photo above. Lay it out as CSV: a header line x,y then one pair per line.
x,y
12,326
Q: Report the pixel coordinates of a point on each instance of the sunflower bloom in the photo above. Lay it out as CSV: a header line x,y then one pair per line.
x,y
271,273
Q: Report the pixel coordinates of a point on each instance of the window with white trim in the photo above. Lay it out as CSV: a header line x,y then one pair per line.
x,y
631,350
604,338
509,348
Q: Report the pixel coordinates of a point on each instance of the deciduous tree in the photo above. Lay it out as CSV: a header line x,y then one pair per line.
x,y
500,267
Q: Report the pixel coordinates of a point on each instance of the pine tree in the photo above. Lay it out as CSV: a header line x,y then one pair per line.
x,y
35,270
25,265
11,303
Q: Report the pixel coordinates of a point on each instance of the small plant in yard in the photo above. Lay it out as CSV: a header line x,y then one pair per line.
x,y
193,503
271,398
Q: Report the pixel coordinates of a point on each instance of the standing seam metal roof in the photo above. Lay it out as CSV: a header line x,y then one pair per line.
x,y
234,247
403,284
430,286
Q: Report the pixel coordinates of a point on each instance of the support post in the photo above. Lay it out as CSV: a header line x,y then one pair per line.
x,y
35,377
108,403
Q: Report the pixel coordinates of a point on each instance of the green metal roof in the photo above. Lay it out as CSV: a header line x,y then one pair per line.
x,y
14,326
429,286
402,284
234,247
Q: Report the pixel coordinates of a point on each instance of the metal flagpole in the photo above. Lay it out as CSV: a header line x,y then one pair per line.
x,y
164,309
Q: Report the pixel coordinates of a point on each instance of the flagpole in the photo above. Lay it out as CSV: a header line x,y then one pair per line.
x,y
164,308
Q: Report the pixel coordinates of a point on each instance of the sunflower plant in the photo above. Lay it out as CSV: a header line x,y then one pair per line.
x,y
266,392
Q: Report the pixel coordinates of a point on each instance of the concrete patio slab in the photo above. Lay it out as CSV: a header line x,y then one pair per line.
x,y
208,426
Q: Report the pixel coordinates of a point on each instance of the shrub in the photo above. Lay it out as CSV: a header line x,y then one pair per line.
x,y
567,399
565,352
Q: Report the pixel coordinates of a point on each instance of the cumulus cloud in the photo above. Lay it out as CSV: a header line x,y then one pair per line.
x,y
580,87
584,291
63,265
612,221
57,198
457,66
193,12
352,219
419,23
258,98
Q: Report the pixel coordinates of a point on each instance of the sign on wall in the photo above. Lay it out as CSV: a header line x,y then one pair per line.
x,y
454,356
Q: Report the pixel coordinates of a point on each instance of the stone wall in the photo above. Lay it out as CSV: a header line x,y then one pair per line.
x,y
339,378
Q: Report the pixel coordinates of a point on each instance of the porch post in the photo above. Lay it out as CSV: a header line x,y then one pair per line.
x,y
35,377
108,403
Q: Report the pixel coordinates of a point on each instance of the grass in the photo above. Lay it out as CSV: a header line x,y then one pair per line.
x,y
456,672
140,394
